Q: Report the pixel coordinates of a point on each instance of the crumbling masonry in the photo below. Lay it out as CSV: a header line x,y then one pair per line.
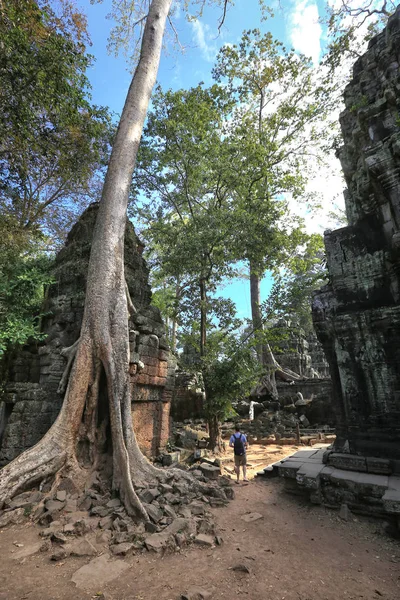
x,y
357,315
30,401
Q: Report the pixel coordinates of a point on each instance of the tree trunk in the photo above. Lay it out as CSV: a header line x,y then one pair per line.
x,y
174,318
104,341
273,370
264,352
215,444
255,309
203,316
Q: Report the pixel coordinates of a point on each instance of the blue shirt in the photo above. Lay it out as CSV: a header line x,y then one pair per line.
x,y
235,436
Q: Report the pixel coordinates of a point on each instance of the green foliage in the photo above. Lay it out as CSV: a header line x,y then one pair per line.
x,y
186,221
292,292
230,371
23,282
52,139
273,135
363,102
351,25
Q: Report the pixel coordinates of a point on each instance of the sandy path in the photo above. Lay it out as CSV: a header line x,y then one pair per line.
x,y
294,552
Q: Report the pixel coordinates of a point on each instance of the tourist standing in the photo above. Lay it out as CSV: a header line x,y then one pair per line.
x,y
238,442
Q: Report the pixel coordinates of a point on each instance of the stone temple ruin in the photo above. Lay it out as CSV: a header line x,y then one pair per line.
x,y
356,318
357,315
303,411
302,414
31,401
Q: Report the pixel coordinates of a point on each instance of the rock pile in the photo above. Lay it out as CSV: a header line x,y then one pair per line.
x,y
84,524
276,422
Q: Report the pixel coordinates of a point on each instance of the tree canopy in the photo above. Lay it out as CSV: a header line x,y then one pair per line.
x,y
53,141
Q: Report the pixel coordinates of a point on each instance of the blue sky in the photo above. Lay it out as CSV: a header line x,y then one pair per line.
x,y
296,25
109,77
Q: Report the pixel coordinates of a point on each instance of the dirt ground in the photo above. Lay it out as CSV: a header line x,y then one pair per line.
x,y
294,552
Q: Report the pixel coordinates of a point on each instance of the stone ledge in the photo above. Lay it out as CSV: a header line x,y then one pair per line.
x,y
366,493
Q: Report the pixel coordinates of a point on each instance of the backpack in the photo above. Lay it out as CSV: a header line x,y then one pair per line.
x,y
238,445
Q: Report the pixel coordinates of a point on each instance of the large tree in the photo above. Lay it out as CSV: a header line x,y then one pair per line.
x,y
103,346
181,172
273,139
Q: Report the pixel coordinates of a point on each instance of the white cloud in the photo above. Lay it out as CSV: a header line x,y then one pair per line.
x,y
327,188
204,40
304,30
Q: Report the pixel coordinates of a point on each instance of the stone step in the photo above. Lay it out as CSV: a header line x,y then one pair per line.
x,y
391,498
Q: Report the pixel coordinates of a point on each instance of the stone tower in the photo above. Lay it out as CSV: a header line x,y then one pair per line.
x,y
357,315
30,402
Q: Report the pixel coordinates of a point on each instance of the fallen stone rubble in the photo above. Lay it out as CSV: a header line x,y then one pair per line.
x,y
74,524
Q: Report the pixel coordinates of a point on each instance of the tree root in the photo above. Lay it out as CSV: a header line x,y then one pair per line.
x,y
288,375
131,307
69,353
77,438
32,467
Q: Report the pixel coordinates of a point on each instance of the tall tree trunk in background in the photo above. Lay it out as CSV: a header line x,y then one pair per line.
x,y
203,316
256,317
175,316
103,346
272,369
173,335
264,353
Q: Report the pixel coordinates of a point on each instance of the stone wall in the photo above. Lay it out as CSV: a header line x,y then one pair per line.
x,y
189,396
31,400
299,352
357,315
317,394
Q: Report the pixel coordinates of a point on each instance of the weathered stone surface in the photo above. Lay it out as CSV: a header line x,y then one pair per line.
x,y
100,511
13,517
188,398
197,593
299,352
58,537
250,517
204,540
149,495
59,554
151,527
98,572
122,549
357,315
114,503
196,508
26,499
344,512
28,550
349,462
209,471
104,537
81,547
54,505
206,526
154,513
359,492
158,542
391,498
